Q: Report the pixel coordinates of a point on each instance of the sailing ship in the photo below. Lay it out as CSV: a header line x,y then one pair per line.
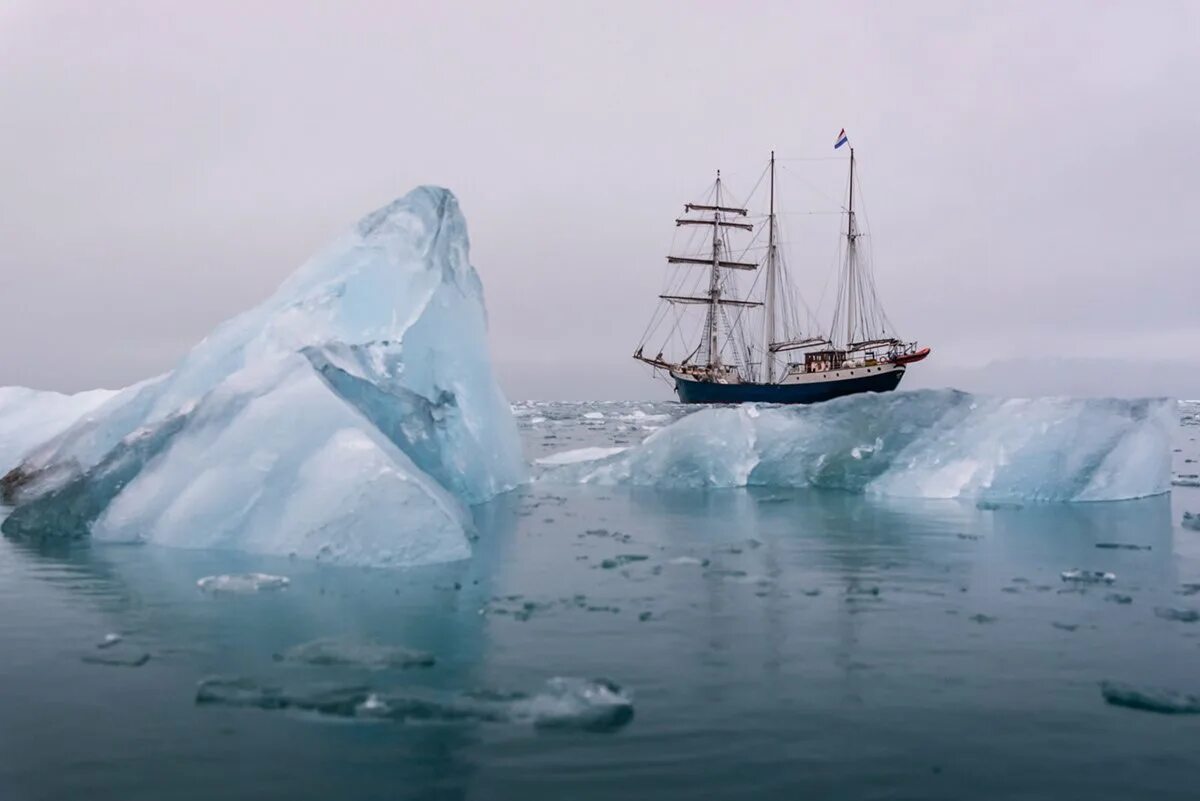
x,y
776,361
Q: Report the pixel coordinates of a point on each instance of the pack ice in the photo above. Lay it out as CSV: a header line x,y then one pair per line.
x,y
925,444
351,417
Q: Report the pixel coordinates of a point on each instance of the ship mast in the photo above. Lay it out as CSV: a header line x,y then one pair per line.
x,y
714,281
851,258
769,300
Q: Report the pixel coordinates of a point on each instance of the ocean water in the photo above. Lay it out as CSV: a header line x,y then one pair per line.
x,y
610,642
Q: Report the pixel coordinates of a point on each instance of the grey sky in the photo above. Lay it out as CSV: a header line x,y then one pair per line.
x,y
1031,169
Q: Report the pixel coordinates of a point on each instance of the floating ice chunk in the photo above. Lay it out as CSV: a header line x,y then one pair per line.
x,y
929,444
593,416
564,702
688,560
243,583
1186,480
573,703
623,559
349,417
1179,615
1191,521
578,455
109,641
1088,576
133,659
375,656
1150,699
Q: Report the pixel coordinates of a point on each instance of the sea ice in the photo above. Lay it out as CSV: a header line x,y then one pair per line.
x,y
927,444
563,703
1088,576
351,417
1178,615
1150,699
1191,521
243,583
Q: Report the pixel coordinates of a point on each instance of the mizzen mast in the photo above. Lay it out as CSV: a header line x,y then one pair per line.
x,y
851,258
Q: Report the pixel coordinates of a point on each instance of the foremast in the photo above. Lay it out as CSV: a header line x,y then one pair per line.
x,y
720,217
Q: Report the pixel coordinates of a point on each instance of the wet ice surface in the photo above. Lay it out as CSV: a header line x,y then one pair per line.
x,y
625,642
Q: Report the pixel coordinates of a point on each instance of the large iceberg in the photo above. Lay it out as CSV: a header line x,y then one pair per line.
x,y
926,444
350,417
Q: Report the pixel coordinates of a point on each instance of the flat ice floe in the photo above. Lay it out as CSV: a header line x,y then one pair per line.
x,y
243,583
925,444
564,702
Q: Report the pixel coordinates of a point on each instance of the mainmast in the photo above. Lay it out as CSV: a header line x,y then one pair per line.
x,y
851,258
769,300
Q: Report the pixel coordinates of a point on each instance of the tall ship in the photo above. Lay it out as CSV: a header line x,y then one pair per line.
x,y
751,344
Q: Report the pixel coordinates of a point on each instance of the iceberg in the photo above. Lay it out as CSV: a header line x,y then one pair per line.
x,y
923,444
351,417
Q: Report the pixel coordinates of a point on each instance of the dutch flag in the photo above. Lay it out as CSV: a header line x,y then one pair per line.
x,y
841,139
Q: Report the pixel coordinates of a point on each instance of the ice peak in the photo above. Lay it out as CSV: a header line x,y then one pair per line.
x,y
358,395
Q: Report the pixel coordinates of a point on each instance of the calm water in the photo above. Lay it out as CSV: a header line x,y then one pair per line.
x,y
776,644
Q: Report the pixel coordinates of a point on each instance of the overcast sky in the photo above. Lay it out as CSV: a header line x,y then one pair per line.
x,y
1032,169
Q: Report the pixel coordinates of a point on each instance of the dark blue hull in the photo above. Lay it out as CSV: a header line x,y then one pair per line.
x,y
814,392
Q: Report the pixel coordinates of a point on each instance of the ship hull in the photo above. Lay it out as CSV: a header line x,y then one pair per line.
x,y
809,391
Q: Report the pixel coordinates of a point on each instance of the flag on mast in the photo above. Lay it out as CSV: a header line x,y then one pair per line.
x,y
841,139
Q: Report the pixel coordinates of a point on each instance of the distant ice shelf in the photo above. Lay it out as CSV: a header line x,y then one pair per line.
x,y
351,417
925,444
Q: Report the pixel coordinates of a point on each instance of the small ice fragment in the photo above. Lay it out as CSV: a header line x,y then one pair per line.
x,y
688,560
1065,626
1118,598
242,583
119,660
1088,576
622,559
982,618
572,703
373,706
1149,699
593,416
1180,615
109,641
1191,521
644,616
1122,546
